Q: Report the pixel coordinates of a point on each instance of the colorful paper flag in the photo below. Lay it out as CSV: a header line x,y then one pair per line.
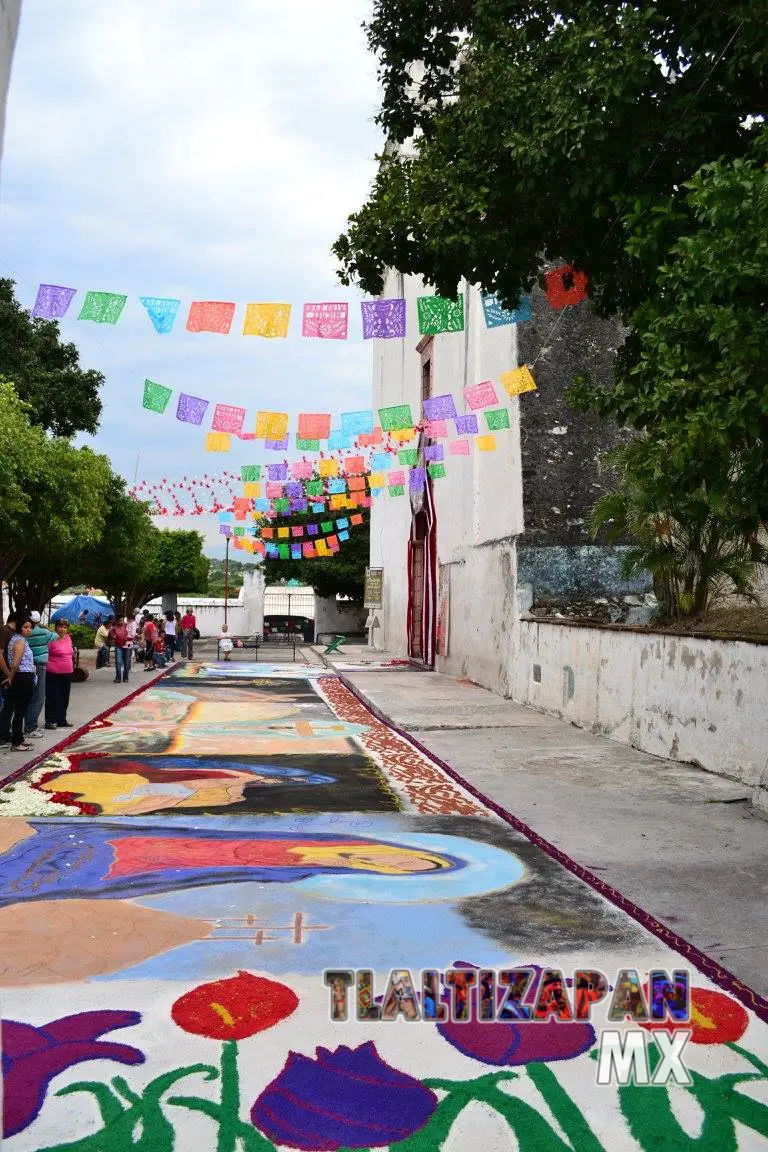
x,y
273,489
314,425
357,423
518,381
395,418
284,551
191,409
277,471
403,435
297,530
486,443
252,489
496,315
102,307
299,505
250,472
377,480
272,426
161,311
344,535
356,519
314,488
52,301
565,286
397,477
225,530
302,469
333,542
408,456
227,418
440,407
396,490
481,395
217,442
308,549
497,419
268,320
436,471
459,447
380,461
328,468
325,321
417,479
336,485
262,505
267,532
307,445
210,316
466,425
434,452
342,523
383,319
277,445
356,483
438,314
294,489
436,429
354,465
369,439
283,532
156,396
322,548
339,440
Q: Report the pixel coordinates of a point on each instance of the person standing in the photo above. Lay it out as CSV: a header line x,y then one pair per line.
x,y
101,640
39,639
188,625
61,665
123,651
170,636
7,630
21,681
150,636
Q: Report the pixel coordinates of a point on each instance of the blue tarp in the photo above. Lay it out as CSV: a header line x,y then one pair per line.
x,y
74,610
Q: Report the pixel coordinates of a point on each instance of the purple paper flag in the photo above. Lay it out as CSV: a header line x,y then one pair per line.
x,y
277,471
191,409
466,424
294,489
383,319
299,505
440,407
276,445
312,529
434,452
52,301
417,478
225,530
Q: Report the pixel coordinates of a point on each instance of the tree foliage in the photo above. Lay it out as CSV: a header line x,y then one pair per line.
x,y
63,398
339,575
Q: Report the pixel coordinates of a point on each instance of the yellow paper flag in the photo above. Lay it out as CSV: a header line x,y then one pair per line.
x,y
377,480
217,442
283,532
403,435
518,381
335,503
252,490
486,443
322,547
328,468
271,425
268,320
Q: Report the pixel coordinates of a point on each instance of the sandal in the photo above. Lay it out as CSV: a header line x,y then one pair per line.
x,y
22,748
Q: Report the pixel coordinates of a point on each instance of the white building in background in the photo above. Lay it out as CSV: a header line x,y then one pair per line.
x,y
448,555
10,12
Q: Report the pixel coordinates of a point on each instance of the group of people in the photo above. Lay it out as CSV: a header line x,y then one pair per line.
x,y
36,667
152,640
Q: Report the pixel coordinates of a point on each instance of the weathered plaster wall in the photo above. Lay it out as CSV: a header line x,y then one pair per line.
x,y
688,699
332,615
584,569
479,502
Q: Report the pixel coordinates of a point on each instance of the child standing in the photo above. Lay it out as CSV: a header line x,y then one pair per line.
x,y
225,642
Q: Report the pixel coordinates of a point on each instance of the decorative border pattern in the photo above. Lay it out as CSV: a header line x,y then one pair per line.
x,y
716,973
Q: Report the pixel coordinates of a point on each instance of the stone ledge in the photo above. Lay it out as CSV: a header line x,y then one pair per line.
x,y
598,625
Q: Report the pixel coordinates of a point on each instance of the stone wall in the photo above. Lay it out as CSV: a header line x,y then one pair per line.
x,y
10,11
681,697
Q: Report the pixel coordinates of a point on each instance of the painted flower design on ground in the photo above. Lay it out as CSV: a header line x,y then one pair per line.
x,y
715,1018
31,1057
348,1098
235,1008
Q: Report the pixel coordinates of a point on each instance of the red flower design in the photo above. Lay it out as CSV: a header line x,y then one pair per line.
x,y
235,1008
715,1018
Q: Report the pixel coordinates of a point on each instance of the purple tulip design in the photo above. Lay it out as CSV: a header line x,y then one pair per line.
x,y
504,1043
349,1098
33,1056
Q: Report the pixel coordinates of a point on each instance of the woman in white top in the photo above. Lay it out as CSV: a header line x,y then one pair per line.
x,y
225,642
170,636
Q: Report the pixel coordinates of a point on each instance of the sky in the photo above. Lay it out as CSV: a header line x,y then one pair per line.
x,y
199,151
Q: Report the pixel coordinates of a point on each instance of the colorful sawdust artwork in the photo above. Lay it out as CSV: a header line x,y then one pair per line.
x,y
188,885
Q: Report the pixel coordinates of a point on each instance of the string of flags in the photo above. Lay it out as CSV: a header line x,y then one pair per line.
x,y
297,542
320,320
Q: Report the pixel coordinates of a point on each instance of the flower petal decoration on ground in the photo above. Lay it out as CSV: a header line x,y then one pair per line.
x,y
32,1056
715,1018
348,1098
235,1008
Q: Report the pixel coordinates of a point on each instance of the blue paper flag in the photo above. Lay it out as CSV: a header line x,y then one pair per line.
x,y
339,439
318,507
357,423
336,486
262,504
496,316
381,461
343,535
342,523
161,311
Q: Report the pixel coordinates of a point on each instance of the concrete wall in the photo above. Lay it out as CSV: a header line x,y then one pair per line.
x,y
702,701
332,616
10,11
478,503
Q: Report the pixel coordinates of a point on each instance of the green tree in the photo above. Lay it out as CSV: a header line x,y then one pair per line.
x,y
339,575
169,560
21,445
121,555
63,397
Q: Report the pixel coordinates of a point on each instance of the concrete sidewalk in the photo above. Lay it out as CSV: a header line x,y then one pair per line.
x,y
680,842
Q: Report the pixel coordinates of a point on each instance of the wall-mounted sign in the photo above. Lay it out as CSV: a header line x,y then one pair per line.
x,y
374,583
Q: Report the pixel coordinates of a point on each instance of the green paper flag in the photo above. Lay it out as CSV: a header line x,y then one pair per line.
x,y
436,471
281,505
393,419
326,526
396,490
307,445
314,487
156,396
438,314
102,307
283,551
408,456
239,531
250,472
499,418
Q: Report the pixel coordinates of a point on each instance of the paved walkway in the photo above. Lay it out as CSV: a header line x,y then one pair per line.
x,y
188,884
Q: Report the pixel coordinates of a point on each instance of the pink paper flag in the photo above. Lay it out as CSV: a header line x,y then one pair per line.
x,y
226,418
436,428
210,316
481,395
459,447
308,549
314,425
273,490
325,321
302,469
397,477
